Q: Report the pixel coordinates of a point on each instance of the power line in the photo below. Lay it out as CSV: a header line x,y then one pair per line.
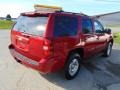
x,y
114,1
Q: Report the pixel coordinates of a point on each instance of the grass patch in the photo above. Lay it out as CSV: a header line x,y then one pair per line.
x,y
6,24
114,26
117,37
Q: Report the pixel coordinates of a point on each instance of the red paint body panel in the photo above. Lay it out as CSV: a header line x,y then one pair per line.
x,y
50,53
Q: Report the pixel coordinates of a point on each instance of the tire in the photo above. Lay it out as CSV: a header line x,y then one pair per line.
x,y
108,50
73,66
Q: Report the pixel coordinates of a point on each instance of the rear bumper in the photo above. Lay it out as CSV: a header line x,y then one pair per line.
x,y
44,65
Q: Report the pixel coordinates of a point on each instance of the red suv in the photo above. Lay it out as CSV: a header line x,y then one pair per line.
x,y
49,42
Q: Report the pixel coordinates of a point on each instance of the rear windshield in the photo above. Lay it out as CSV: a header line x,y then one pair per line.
x,y
31,25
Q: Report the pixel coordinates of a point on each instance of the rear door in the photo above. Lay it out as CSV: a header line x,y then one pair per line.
x,y
28,36
65,34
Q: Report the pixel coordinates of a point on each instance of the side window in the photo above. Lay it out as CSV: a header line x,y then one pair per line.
x,y
87,26
98,27
65,26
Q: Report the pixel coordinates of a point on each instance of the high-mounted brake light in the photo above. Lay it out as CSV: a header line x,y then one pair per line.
x,y
45,8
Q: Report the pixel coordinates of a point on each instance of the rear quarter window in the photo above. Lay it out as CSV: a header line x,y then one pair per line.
x,y
65,26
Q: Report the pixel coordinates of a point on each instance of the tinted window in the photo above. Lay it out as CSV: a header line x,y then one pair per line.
x,y
65,26
98,27
31,25
86,26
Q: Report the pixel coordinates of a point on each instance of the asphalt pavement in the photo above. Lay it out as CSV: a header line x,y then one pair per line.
x,y
99,74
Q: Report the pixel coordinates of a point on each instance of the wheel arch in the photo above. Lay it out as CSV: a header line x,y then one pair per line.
x,y
80,51
112,41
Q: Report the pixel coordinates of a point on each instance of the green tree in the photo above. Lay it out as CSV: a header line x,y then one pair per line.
x,y
8,17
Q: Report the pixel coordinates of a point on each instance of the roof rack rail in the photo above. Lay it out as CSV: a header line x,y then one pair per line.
x,y
83,14
71,13
59,11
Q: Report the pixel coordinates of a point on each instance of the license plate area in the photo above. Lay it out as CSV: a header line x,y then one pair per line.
x,y
22,43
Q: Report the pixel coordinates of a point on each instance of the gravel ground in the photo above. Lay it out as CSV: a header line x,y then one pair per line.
x,y
99,74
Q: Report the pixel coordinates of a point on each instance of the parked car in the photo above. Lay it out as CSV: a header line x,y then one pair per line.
x,y
49,42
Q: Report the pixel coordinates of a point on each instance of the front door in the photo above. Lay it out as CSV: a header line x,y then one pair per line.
x,y
90,39
99,32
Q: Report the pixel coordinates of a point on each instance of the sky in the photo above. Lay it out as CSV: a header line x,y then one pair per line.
x,y
89,7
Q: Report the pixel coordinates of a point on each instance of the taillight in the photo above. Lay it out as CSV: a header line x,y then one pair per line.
x,y
48,48
45,48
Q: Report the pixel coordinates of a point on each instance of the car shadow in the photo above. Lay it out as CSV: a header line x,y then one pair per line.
x,y
98,73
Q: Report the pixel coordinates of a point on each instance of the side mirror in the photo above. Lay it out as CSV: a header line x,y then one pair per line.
x,y
107,30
